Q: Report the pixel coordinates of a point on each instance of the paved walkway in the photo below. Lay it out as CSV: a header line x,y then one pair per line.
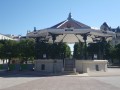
x,y
29,81
110,72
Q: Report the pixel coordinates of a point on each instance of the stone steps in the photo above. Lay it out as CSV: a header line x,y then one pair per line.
x,y
69,65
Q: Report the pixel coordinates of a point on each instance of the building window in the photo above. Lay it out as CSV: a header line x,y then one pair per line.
x,y
97,67
43,67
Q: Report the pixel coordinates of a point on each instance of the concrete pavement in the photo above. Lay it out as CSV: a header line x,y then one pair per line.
x,y
59,83
27,81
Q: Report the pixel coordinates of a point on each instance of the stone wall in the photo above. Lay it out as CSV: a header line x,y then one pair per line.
x,y
48,65
82,66
86,66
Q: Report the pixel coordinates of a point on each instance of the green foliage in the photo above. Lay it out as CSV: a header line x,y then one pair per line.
x,y
16,49
1,66
1,51
64,49
26,49
102,49
23,66
78,50
8,49
67,52
94,48
12,67
117,51
60,50
53,51
113,53
108,49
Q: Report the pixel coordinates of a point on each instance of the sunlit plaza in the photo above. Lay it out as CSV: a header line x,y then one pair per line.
x,y
89,71
59,45
37,81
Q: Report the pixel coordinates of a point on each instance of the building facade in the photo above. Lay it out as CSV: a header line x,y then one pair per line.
x,y
105,28
4,37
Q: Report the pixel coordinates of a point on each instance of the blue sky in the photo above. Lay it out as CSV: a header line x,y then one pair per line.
x,y
18,16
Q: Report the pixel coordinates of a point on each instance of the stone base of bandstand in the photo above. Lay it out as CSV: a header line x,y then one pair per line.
x,y
49,65
81,66
86,66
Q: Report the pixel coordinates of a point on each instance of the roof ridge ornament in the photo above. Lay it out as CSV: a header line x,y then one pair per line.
x,y
69,16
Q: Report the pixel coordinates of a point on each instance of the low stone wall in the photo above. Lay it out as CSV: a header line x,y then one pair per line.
x,y
86,66
82,66
48,65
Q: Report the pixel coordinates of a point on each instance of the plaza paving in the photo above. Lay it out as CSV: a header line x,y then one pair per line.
x,y
35,81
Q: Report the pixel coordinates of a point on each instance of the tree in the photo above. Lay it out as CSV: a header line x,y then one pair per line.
x,y
8,50
117,52
108,50
64,50
78,50
23,49
67,52
26,50
58,50
1,52
112,54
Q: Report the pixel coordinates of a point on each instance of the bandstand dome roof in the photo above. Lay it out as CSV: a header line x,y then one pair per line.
x,y
69,31
70,23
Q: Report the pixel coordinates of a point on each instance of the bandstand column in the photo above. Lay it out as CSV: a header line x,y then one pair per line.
x,y
85,38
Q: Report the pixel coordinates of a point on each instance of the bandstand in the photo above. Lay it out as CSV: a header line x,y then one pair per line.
x,y
70,31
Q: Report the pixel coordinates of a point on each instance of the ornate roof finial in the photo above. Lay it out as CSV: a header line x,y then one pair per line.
x,y
69,16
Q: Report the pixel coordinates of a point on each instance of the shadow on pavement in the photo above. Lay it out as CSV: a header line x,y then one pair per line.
x,y
113,66
9,74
